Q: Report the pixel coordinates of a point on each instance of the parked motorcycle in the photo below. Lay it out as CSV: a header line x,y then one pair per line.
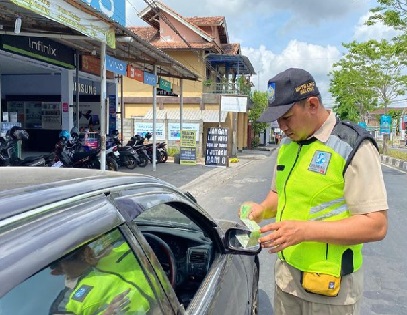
x,y
8,153
66,153
137,142
129,157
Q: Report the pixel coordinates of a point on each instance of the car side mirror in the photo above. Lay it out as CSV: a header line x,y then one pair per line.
x,y
242,241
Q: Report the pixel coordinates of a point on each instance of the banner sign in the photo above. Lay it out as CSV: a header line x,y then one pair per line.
x,y
164,84
233,103
174,132
66,14
216,152
188,147
91,64
141,128
134,73
150,79
385,124
112,114
116,65
114,9
39,48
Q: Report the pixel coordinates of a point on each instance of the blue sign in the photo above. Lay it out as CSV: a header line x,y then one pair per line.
x,y
116,66
114,9
385,124
150,78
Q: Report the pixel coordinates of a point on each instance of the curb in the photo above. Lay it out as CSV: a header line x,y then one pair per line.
x,y
396,163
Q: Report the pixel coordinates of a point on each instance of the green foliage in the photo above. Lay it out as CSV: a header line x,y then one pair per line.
x,y
369,75
260,102
244,85
392,13
172,151
401,155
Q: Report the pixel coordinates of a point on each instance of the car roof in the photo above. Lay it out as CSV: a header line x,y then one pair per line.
x,y
24,188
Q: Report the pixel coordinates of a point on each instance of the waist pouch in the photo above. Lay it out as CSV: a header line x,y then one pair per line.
x,y
320,283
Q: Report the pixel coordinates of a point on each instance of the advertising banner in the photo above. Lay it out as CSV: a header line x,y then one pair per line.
x,y
66,14
174,132
233,103
113,9
164,84
188,147
39,48
385,124
141,128
116,66
135,74
150,79
216,152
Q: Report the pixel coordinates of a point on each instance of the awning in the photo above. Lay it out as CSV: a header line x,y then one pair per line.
x,y
239,63
188,115
129,47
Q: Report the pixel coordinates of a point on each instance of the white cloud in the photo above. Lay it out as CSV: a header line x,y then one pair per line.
x,y
315,59
377,31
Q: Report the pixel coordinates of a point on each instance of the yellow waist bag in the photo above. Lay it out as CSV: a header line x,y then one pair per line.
x,y
320,283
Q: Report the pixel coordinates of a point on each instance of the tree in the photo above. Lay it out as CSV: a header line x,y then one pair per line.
x,y
391,12
371,74
260,102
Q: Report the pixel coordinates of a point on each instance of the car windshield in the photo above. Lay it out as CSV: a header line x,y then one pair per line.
x,y
163,215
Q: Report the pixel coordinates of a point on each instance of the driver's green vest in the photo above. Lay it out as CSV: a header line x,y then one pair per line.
x,y
310,187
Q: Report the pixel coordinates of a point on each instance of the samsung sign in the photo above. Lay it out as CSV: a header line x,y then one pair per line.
x,y
114,9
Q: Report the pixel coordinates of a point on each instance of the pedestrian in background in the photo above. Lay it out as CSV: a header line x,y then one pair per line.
x,y
328,198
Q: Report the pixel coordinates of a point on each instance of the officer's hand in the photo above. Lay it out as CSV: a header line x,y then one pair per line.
x,y
257,212
118,305
283,234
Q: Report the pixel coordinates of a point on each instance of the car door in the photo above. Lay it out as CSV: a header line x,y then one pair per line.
x,y
207,276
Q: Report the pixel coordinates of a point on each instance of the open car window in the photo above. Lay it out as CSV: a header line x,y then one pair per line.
x,y
102,277
183,247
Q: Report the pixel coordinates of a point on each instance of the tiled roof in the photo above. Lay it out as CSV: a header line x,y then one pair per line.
x,y
188,114
206,21
147,33
231,49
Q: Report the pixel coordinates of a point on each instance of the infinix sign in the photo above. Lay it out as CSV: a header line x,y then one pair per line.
x,y
114,9
39,48
38,45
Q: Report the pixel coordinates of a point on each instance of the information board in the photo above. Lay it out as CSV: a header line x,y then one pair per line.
x,y
187,154
216,152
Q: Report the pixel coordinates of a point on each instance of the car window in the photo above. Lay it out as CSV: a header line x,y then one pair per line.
x,y
103,277
183,248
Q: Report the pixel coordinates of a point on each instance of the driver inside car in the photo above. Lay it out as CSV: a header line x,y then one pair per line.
x,y
107,284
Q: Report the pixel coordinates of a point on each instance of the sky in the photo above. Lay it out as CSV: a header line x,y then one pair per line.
x,y
276,35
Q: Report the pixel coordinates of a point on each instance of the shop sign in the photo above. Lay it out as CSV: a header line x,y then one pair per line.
x,y
237,104
174,131
134,73
116,66
91,64
114,9
66,14
150,79
164,84
39,48
216,152
141,128
385,124
162,92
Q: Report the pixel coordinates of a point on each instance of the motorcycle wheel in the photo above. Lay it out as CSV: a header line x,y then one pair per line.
x,y
130,162
111,164
164,156
143,161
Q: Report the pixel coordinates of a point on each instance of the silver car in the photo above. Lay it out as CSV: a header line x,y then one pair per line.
x,y
78,241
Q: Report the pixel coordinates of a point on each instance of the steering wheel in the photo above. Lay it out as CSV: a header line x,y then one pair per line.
x,y
172,272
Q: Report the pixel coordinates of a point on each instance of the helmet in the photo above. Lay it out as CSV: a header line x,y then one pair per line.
x,y
64,135
148,135
74,132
